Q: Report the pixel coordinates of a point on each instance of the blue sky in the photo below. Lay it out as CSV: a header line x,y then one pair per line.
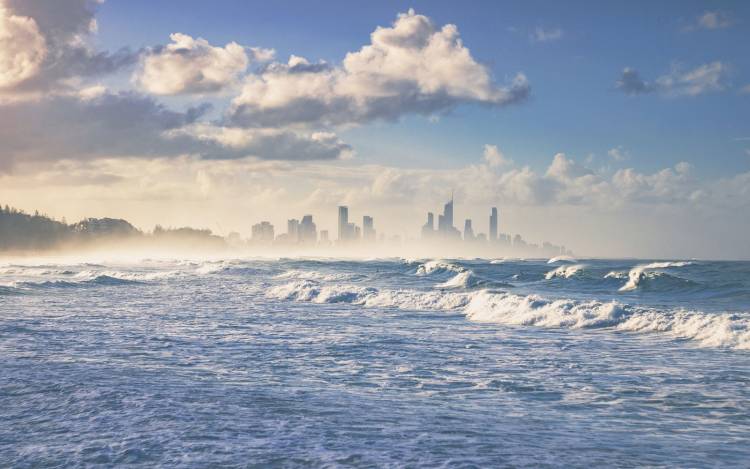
x,y
574,106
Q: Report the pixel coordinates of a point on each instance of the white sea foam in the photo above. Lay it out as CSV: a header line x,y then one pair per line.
x,y
438,266
708,330
564,271
314,292
561,259
314,275
638,273
465,279
532,310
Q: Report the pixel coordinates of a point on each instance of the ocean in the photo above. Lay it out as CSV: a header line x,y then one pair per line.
x,y
375,363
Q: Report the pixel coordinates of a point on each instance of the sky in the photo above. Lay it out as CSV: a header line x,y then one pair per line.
x,y
616,129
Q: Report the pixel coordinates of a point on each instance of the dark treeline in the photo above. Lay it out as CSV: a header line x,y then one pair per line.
x,y
20,231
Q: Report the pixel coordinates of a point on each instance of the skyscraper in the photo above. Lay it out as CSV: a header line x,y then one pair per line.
x,y
448,214
445,222
493,225
428,229
468,230
368,230
307,230
343,222
292,230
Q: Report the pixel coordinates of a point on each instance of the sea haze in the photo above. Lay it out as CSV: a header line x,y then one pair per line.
x,y
381,362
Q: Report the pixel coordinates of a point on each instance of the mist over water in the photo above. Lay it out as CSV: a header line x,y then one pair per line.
x,y
390,361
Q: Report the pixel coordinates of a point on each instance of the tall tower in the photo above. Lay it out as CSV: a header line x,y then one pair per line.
x,y
368,228
493,224
343,222
448,215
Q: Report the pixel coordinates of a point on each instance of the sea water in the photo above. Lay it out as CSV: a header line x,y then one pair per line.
x,y
383,362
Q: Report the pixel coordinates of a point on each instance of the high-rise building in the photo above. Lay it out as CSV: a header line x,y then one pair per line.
x,y
292,230
428,229
308,232
324,236
368,229
447,217
445,222
493,225
343,222
263,232
468,230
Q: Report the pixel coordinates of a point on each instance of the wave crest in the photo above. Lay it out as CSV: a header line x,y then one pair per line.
x,y
638,273
564,271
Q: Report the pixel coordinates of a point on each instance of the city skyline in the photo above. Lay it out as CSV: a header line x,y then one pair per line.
x,y
352,235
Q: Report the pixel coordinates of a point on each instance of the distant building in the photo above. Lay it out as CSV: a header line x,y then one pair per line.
x,y
445,222
493,224
308,232
343,222
468,230
518,242
262,232
368,229
292,230
428,229
324,236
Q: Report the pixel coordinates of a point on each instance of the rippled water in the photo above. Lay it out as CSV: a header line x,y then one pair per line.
x,y
375,363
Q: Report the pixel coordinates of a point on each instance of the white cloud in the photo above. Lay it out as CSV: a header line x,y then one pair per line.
x,y
411,67
618,153
714,20
262,55
22,48
546,35
494,157
703,79
189,65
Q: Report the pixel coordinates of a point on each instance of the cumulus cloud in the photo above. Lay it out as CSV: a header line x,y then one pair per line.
x,y
494,157
44,46
703,79
413,66
22,48
546,35
190,66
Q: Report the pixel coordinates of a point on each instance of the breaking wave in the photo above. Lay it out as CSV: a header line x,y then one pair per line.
x,y
565,271
708,330
640,272
313,275
723,330
438,267
314,292
561,259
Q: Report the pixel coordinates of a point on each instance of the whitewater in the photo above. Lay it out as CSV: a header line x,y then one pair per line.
x,y
324,362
